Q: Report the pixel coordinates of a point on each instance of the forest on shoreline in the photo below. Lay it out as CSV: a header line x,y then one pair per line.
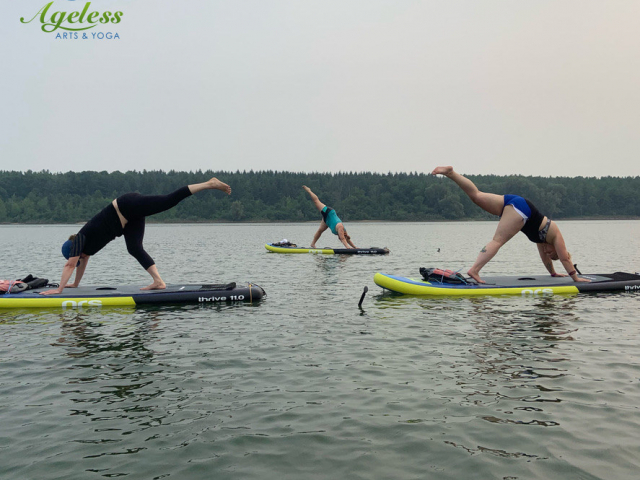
x,y
263,196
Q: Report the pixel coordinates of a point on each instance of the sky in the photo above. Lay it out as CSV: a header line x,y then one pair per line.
x,y
544,88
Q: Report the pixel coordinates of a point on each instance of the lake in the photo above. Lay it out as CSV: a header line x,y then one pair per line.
x,y
305,385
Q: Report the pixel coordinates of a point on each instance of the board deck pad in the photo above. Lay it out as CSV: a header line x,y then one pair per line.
x,y
132,295
327,250
512,285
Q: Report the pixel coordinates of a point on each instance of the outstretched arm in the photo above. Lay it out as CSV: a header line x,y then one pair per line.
x,y
79,272
565,259
344,238
547,262
344,241
67,271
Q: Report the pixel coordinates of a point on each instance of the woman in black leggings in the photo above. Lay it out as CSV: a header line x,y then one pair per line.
x,y
124,216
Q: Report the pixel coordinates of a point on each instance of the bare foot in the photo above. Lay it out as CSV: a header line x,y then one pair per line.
x,y
313,246
475,276
216,184
442,171
155,286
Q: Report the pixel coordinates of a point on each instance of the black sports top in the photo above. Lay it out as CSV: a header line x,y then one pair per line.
x,y
97,232
531,227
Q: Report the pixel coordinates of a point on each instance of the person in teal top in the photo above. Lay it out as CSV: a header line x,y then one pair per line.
x,y
330,220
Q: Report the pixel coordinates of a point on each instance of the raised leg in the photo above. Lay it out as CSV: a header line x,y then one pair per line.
x,y
489,202
314,198
134,205
213,184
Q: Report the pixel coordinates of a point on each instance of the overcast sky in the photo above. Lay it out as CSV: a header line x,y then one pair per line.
x,y
548,88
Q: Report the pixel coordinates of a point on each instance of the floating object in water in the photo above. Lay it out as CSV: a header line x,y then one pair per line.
x,y
364,292
525,285
327,251
132,295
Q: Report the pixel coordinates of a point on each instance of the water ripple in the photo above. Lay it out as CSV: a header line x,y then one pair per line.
x,y
306,385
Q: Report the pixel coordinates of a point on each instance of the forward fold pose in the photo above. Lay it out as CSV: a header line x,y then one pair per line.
x,y
516,214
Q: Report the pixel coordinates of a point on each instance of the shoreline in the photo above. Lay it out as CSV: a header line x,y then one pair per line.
x,y
257,222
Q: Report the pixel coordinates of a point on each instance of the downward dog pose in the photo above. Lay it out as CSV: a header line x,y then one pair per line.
x,y
516,214
329,220
124,216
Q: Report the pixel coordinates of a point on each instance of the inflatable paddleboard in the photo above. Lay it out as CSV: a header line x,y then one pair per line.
x,y
327,251
132,295
525,285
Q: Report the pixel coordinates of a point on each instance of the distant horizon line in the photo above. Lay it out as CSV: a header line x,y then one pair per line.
x,y
317,172
587,218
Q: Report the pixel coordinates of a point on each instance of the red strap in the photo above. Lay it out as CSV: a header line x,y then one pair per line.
x,y
444,273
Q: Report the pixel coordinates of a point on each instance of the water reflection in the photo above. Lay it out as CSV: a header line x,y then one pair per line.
x,y
465,387
517,357
503,360
115,379
85,333
329,263
492,451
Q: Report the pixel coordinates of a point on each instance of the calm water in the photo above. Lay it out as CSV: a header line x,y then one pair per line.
x,y
305,385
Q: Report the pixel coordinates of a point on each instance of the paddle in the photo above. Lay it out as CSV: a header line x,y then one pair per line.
x,y
366,289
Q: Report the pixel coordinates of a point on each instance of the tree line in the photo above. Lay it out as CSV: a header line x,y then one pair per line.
x,y
71,197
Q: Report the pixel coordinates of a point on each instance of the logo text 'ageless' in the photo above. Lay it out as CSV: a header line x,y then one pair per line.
x,y
74,24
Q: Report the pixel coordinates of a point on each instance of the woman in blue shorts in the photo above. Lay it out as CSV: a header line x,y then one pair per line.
x,y
516,214
330,220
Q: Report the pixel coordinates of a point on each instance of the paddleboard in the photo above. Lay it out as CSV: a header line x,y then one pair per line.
x,y
132,295
327,251
524,285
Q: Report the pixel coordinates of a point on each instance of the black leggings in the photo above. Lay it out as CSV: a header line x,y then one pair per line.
x,y
134,207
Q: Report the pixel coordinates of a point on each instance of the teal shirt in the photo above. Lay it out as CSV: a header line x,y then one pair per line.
x,y
332,220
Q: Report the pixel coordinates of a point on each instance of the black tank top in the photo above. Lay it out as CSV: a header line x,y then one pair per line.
x,y
532,225
97,232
